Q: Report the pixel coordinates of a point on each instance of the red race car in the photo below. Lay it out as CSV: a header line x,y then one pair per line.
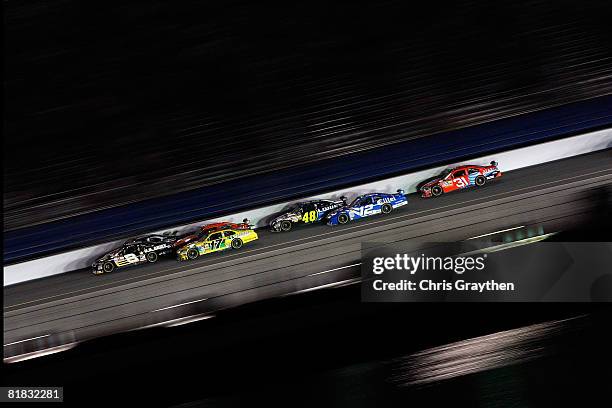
x,y
459,178
206,229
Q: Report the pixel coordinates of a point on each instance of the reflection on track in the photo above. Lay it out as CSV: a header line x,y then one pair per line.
x,y
480,353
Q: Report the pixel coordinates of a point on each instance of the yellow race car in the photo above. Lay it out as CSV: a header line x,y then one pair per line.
x,y
216,241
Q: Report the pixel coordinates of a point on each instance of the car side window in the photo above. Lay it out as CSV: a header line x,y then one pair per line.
x,y
130,250
459,173
309,207
216,235
229,234
473,171
366,201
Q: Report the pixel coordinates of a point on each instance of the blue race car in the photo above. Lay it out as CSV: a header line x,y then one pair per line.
x,y
366,205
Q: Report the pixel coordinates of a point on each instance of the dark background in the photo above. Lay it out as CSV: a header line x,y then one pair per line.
x,y
327,348
121,92
102,97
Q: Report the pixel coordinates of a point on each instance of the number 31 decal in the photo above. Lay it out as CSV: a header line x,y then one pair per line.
x,y
460,182
310,216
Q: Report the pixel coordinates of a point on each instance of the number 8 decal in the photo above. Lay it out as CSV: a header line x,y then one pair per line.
x,y
131,258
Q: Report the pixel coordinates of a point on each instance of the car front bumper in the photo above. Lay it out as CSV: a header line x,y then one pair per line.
x,y
426,193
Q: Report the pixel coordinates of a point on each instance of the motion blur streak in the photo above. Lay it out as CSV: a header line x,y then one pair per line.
x,y
182,304
329,285
21,341
40,353
335,269
142,99
480,353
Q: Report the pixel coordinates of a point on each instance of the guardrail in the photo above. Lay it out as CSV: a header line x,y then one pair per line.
x,y
508,161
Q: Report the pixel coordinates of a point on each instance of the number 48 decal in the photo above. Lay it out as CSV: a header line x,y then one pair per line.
x,y
310,216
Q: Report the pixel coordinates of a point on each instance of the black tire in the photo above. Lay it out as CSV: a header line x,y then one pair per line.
x,y
285,225
436,191
480,180
108,267
386,208
343,218
192,253
151,257
237,243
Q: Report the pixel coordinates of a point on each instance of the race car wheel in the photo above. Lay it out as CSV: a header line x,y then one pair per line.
x,y
193,253
237,243
386,208
152,257
108,267
480,181
436,191
285,225
343,218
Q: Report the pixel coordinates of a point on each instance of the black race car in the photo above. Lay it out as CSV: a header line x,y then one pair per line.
x,y
307,212
135,251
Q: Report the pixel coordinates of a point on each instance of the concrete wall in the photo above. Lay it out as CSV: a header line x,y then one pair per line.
x,y
508,161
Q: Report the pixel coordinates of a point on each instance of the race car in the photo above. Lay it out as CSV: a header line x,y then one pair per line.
x,y
307,212
458,178
206,229
367,205
135,251
215,241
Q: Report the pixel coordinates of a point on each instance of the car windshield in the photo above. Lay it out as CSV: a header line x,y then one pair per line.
x,y
445,173
190,232
356,202
114,251
295,209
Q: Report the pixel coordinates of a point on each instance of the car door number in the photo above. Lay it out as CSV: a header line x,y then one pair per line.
x,y
364,211
216,244
131,258
310,216
461,182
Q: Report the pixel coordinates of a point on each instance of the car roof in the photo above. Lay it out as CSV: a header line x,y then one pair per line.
x,y
314,201
228,229
372,194
465,166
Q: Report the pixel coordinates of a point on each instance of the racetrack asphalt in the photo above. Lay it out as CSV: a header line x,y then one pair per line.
x,y
555,195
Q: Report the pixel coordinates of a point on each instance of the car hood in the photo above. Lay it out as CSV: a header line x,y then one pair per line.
x,y
108,256
185,240
338,210
430,183
284,216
